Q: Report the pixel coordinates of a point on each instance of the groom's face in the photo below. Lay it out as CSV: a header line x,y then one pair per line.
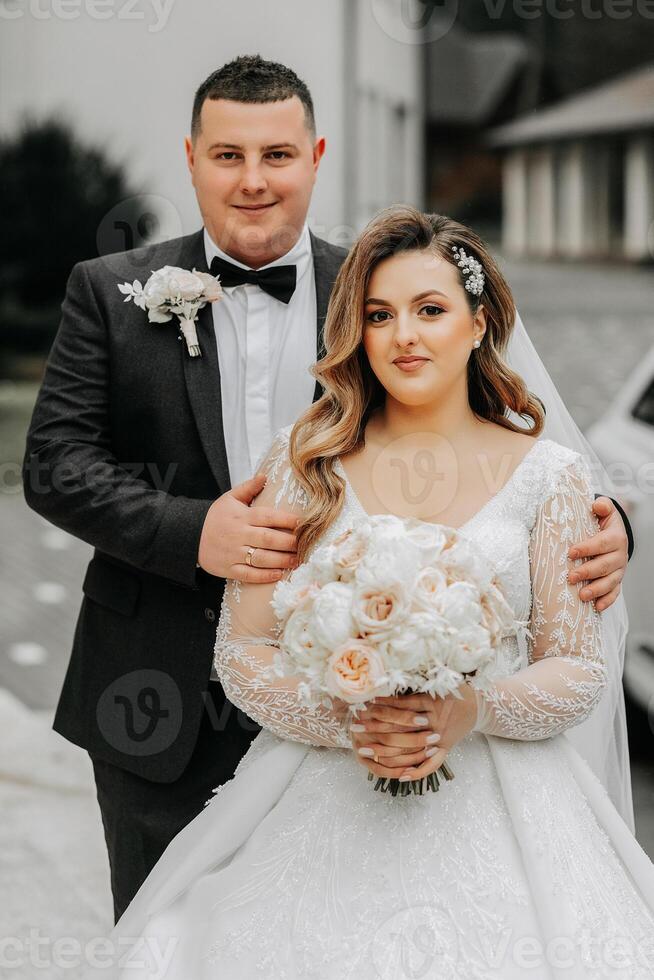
x,y
253,167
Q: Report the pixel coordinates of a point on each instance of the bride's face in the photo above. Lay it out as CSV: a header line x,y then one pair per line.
x,y
417,307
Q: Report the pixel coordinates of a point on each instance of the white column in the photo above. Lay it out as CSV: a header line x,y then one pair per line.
x,y
542,202
514,202
639,198
583,200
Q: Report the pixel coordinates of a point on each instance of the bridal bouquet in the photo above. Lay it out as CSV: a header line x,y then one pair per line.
x,y
393,606
173,291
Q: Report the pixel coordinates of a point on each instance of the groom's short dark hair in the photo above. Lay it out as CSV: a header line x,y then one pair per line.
x,y
249,78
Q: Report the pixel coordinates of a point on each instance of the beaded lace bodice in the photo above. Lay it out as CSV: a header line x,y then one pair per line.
x,y
546,680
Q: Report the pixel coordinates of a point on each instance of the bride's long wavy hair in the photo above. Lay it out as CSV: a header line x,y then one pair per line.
x,y
334,425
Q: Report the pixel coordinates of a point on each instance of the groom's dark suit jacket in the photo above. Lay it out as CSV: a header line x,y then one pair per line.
x,y
126,451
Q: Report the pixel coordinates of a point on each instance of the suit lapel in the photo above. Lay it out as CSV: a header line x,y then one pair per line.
x,y
202,376
326,263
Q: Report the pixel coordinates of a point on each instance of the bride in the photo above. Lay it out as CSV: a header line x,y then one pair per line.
x,y
524,864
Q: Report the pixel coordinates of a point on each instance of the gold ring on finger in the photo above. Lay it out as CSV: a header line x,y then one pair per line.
x,y
251,551
376,758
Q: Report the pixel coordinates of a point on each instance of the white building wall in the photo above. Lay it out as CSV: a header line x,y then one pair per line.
x,y
389,118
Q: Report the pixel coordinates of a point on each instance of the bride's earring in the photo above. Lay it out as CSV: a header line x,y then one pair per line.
x,y
477,343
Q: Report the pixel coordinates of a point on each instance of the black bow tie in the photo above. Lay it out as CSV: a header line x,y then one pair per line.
x,y
279,280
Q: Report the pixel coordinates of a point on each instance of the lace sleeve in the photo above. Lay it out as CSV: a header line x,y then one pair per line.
x,y
567,672
248,633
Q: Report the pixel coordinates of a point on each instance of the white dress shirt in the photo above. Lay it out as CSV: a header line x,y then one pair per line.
x,y
265,349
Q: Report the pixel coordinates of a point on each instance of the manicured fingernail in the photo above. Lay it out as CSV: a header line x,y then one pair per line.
x,y
430,752
405,779
366,751
434,737
420,720
585,593
357,728
573,553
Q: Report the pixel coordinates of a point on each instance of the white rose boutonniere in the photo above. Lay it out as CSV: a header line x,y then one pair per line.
x,y
171,291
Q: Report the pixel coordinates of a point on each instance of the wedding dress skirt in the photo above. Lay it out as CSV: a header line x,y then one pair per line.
x,y
519,867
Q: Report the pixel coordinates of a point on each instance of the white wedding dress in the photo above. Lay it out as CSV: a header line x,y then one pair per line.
x,y
519,867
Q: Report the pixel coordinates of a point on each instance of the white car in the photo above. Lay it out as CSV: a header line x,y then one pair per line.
x,y
623,438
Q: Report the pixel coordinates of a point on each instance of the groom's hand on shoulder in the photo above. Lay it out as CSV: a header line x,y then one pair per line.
x,y
232,526
607,553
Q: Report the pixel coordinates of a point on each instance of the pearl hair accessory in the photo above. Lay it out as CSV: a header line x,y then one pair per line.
x,y
472,269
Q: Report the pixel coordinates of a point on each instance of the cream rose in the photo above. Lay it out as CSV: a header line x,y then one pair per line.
x,y
349,549
379,609
355,672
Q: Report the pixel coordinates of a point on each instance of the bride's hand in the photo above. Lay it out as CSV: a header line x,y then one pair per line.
x,y
391,723
396,745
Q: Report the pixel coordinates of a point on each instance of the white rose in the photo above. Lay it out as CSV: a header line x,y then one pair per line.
x,y
430,583
459,604
418,643
212,290
459,561
322,565
299,641
156,290
331,616
429,538
471,650
294,592
464,562
184,284
388,560
355,671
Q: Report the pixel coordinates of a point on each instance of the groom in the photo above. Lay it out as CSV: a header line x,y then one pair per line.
x,y
147,454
